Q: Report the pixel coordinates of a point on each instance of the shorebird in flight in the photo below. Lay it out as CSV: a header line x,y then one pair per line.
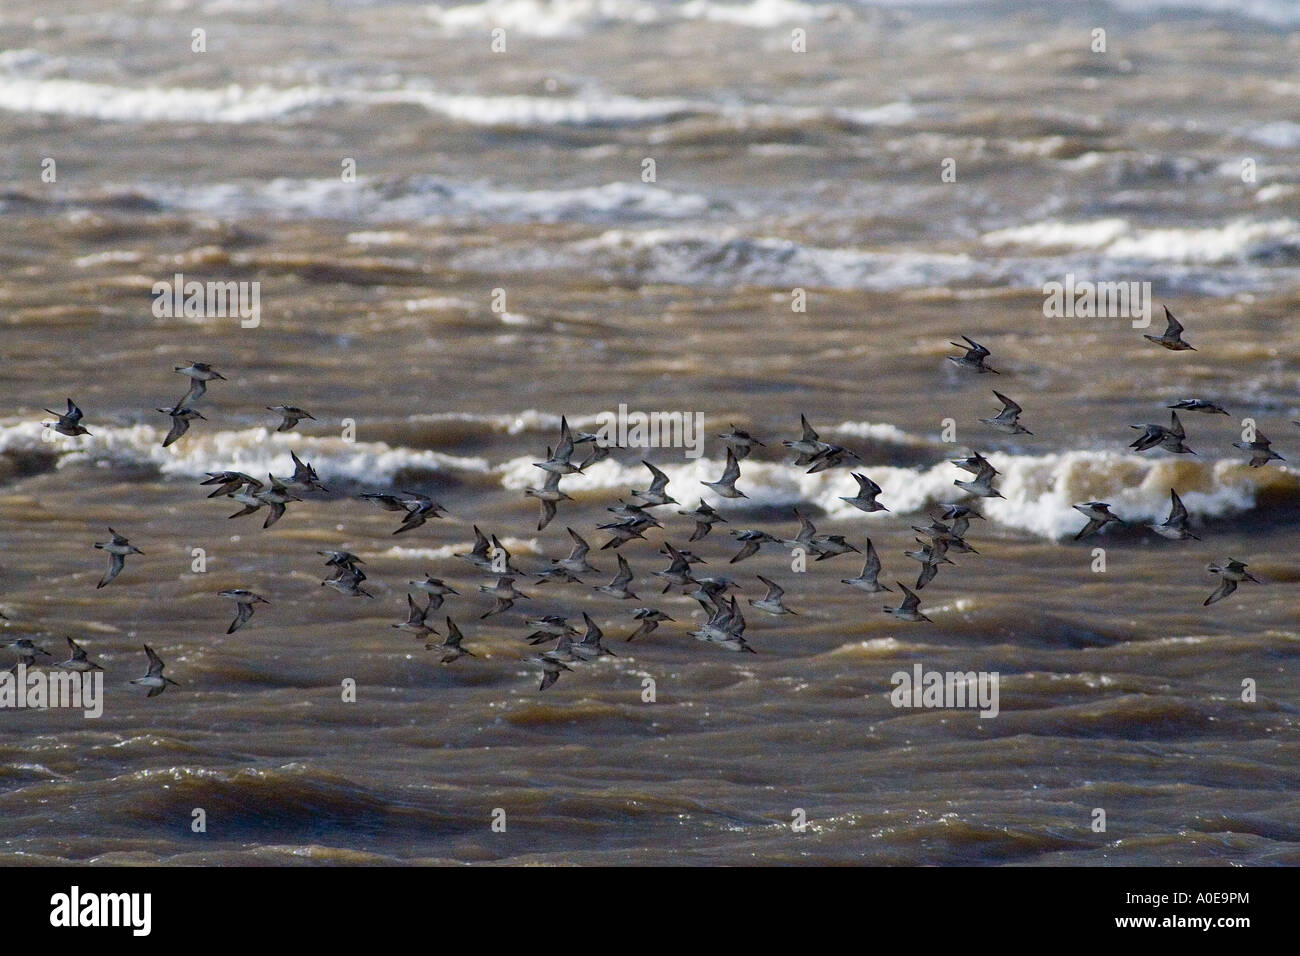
x,y
117,549
650,619
153,678
973,359
771,601
865,499
655,495
229,482
982,484
451,646
78,661
751,540
705,517
200,373
505,593
807,447
1171,439
1230,574
1198,405
547,496
1260,451
909,609
590,647
26,651
561,462
1173,337
436,588
1098,514
726,485
347,582
290,416
1175,526
181,417
417,618
739,442
1007,420
618,587
678,573
868,580
244,599
69,423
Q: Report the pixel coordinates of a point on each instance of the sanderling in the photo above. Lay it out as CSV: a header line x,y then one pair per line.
x,y
117,550
868,579
245,599
200,373
973,359
909,609
1007,420
417,618
451,646
741,443
771,601
290,416
1231,574
69,423
1174,526
1173,337
505,593
726,485
153,678
181,417
1098,514
705,516
618,587
650,619
78,661
865,499
1260,452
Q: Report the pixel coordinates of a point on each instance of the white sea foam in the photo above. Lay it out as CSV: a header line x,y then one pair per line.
x,y
1280,134
426,199
1039,490
1116,239
26,86
709,256
255,451
154,104
564,18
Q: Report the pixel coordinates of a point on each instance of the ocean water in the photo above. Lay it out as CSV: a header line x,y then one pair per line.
x,y
500,259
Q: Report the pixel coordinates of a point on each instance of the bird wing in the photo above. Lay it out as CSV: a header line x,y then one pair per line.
x,y
1226,587
1174,328
809,434
1009,408
115,564
624,576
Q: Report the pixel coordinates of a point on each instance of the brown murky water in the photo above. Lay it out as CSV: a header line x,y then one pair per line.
x,y
522,172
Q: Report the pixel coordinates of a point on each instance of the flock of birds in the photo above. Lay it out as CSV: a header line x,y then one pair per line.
x,y
724,624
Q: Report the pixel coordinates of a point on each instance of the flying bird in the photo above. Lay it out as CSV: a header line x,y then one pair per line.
x,y
244,600
1173,337
69,423
117,549
153,678
290,416
973,358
